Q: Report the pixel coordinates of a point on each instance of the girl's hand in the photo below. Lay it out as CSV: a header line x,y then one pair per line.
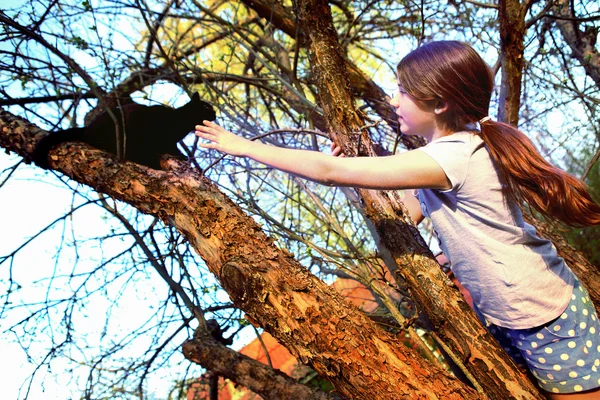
x,y
221,139
336,150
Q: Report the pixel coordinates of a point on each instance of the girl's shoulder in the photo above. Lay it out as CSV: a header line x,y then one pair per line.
x,y
454,154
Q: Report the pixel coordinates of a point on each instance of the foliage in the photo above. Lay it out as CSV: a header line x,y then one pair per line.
x,y
587,240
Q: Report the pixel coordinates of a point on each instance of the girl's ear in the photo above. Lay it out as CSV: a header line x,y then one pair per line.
x,y
441,107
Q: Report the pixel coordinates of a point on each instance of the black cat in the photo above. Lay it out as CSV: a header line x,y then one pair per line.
x,y
150,131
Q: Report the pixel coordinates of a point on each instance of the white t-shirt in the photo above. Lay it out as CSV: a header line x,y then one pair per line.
x,y
516,279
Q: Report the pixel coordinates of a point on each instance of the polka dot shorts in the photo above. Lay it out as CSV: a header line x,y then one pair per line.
x,y
564,354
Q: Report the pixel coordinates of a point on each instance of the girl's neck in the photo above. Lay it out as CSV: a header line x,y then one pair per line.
x,y
438,133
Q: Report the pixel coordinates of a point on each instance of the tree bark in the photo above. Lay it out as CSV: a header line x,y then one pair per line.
x,y
256,376
512,46
451,318
307,316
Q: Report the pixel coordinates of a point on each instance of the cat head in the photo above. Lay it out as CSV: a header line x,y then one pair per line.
x,y
189,115
201,108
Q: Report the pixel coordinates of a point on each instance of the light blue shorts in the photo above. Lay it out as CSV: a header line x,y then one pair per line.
x,y
563,354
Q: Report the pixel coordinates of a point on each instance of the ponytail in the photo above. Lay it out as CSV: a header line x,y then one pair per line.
x,y
529,178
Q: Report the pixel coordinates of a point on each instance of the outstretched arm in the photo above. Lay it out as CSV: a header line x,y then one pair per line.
x,y
412,169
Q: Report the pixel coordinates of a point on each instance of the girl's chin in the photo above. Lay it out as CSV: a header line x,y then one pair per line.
x,y
403,127
405,130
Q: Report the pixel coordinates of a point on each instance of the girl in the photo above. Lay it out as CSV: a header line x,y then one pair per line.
x,y
470,180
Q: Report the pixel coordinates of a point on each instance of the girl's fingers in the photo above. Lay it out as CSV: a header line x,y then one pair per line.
x,y
209,138
206,132
208,126
203,134
209,123
208,145
202,128
336,150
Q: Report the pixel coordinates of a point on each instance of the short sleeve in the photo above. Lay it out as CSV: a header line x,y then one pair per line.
x,y
453,154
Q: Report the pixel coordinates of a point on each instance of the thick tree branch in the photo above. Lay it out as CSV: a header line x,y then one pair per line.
x,y
277,293
256,376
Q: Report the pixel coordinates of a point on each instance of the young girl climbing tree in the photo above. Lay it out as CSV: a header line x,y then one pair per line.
x,y
470,179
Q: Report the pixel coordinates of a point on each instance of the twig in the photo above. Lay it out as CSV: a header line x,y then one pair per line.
x,y
591,165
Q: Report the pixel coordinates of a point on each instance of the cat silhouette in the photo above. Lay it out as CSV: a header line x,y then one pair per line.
x,y
149,132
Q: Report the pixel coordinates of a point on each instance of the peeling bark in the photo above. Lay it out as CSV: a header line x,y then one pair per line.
x,y
307,316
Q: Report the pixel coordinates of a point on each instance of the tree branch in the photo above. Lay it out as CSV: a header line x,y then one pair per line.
x,y
582,43
277,293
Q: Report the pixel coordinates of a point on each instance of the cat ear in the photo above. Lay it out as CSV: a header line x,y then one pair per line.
x,y
196,96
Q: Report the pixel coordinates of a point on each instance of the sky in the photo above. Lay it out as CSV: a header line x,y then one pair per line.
x,y
28,204
30,201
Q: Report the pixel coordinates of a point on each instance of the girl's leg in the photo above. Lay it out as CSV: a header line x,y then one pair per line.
x,y
589,395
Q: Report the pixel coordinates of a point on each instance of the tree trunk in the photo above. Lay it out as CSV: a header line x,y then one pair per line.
x,y
451,318
512,46
307,316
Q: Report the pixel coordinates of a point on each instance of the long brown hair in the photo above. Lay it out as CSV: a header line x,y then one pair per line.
x,y
452,71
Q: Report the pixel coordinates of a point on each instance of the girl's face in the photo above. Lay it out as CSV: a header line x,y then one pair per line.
x,y
414,117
